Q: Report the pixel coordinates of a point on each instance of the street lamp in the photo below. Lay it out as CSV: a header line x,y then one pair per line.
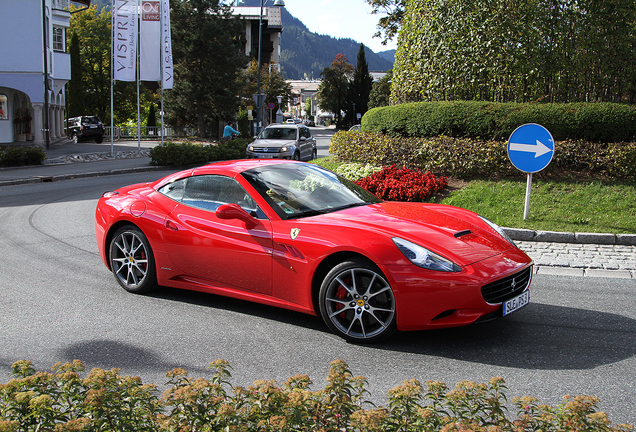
x,y
259,97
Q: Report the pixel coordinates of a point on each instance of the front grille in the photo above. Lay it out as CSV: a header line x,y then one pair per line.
x,y
507,288
266,150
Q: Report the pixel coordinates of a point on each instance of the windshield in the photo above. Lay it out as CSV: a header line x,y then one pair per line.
x,y
299,190
278,133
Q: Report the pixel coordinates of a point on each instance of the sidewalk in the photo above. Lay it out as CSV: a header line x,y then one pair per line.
x,y
554,253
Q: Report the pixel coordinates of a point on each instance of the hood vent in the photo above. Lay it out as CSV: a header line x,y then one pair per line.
x,y
462,233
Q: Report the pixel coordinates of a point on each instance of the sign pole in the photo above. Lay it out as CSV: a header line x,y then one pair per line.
x,y
526,210
530,149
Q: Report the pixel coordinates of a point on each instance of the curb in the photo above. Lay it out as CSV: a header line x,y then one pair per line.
x,y
571,237
45,179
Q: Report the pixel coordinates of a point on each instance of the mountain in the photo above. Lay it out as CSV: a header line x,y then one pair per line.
x,y
305,54
388,55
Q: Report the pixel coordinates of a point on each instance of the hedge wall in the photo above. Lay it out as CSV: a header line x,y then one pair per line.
x,y
467,157
596,122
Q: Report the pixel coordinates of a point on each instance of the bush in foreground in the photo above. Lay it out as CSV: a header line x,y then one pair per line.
x,y
394,184
184,154
63,401
465,157
21,156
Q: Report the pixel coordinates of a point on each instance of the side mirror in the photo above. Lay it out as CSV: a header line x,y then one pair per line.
x,y
234,211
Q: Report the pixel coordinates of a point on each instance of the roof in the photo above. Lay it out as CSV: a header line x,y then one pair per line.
x,y
84,2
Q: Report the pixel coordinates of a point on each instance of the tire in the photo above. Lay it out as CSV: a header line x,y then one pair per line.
x,y
357,303
76,139
132,261
314,154
296,156
99,139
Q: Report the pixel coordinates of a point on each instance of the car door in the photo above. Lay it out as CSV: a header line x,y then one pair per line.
x,y
216,251
306,146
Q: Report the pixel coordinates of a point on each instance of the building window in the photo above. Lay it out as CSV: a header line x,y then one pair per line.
x,y
58,38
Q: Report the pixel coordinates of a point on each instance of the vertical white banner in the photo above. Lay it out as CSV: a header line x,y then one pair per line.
x,y
166,45
125,40
150,41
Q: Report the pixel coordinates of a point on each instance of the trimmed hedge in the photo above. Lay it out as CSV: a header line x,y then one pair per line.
x,y
466,157
63,401
596,122
20,156
183,154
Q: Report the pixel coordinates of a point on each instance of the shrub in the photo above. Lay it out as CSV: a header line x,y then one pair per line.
x,y
64,401
393,184
20,156
596,122
354,171
184,154
466,157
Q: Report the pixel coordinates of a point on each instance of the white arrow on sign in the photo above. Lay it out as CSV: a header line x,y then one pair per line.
x,y
538,149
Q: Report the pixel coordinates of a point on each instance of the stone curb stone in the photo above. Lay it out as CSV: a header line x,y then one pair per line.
x,y
626,239
554,237
560,271
520,234
596,238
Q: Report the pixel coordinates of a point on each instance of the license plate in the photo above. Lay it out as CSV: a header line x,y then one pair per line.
x,y
516,303
265,156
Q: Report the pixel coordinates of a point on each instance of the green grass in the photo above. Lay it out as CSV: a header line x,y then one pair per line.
x,y
572,206
607,206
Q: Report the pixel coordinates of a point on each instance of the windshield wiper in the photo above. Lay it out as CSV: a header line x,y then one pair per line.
x,y
307,213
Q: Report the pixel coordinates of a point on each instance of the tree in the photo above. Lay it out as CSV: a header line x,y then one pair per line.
x,y
334,88
360,87
152,118
381,91
207,64
75,99
531,50
92,95
272,85
389,25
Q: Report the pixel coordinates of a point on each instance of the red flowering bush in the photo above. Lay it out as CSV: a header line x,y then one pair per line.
x,y
402,184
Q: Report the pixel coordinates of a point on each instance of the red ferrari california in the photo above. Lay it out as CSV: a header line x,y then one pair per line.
x,y
297,236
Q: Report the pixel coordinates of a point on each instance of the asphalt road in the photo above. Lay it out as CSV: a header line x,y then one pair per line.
x,y
58,302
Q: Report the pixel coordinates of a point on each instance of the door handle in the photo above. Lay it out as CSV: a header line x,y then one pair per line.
x,y
172,226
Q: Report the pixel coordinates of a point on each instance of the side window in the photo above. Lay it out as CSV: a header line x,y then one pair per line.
x,y
174,190
208,192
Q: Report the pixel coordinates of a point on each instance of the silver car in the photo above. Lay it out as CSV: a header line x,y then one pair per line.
x,y
283,141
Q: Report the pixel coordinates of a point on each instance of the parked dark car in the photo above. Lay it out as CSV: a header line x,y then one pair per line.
x,y
85,128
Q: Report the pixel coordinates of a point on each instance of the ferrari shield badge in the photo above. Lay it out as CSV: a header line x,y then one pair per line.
x,y
294,233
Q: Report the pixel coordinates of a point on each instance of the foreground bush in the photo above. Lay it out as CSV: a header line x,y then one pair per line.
x,y
465,157
596,122
393,184
63,401
20,156
184,154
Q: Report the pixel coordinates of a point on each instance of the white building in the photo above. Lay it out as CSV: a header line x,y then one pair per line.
x,y
34,30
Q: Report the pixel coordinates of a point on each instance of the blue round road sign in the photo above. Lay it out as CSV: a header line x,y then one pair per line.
x,y
530,148
271,105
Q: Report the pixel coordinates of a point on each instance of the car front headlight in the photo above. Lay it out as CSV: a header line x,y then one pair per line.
x,y
499,230
251,148
284,148
422,257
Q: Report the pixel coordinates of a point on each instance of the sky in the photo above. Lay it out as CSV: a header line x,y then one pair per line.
x,y
340,19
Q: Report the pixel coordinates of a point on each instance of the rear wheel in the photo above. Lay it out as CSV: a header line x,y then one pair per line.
x,y
357,303
76,139
132,261
99,139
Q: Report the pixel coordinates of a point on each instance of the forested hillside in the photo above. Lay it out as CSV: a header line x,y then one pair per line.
x,y
305,54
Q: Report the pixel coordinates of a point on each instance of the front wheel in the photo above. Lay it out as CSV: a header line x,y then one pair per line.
x,y
132,261
357,303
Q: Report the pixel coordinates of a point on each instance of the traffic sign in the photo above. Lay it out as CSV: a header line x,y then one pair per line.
x,y
530,148
271,105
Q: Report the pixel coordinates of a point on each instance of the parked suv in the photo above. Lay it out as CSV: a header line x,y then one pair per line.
x,y
283,141
85,128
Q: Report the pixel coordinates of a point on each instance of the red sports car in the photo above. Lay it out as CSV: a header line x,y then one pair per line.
x,y
297,236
